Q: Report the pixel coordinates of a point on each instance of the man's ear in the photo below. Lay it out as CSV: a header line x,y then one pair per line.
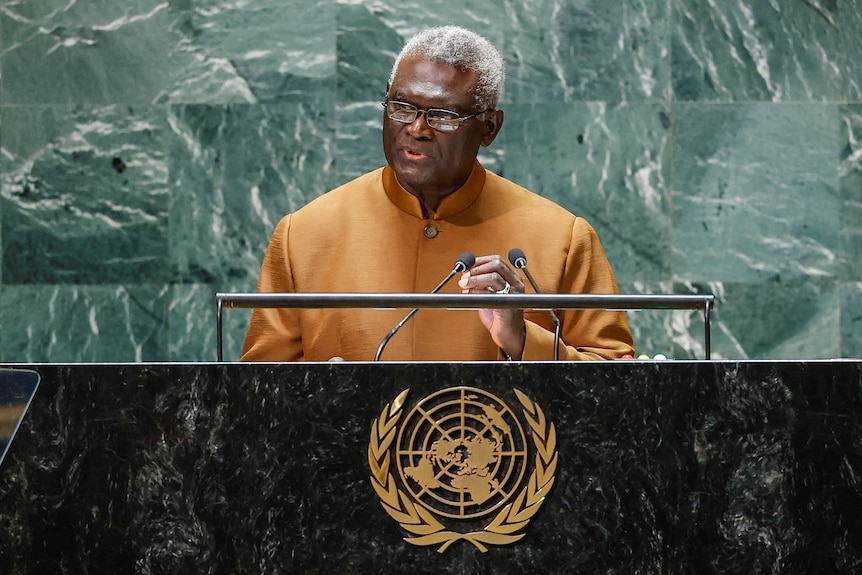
x,y
491,125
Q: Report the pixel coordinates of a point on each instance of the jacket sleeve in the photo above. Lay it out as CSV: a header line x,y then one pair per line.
x,y
274,334
585,334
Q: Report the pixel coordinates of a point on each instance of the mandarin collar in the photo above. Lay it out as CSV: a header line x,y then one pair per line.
x,y
454,203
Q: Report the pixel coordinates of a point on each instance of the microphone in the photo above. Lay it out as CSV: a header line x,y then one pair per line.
x,y
464,262
519,260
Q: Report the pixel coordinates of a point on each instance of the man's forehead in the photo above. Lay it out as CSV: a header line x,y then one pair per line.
x,y
420,88
422,77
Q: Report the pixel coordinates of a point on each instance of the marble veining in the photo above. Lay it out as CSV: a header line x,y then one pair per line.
x,y
150,148
664,467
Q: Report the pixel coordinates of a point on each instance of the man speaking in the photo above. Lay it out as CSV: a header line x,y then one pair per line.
x,y
405,226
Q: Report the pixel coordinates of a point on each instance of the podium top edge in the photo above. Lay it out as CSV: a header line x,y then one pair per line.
x,y
464,301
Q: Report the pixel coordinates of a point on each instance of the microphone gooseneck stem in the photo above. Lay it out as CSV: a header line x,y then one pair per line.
x,y
392,332
517,259
464,262
530,279
407,317
553,315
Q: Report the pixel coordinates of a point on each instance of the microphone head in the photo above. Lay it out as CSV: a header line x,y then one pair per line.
x,y
464,262
517,258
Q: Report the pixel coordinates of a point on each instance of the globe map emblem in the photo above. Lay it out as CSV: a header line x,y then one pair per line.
x,y
461,452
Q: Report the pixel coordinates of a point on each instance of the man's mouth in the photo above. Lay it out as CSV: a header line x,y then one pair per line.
x,y
414,154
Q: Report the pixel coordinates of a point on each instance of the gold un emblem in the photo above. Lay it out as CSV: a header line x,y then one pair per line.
x,y
455,467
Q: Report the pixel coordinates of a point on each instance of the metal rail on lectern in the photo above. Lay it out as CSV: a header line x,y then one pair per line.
x,y
537,302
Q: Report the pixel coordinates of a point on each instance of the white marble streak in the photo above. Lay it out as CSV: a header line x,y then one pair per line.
x,y
215,80
758,50
554,54
643,66
129,19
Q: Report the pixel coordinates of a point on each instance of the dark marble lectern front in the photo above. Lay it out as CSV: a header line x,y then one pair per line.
x,y
664,467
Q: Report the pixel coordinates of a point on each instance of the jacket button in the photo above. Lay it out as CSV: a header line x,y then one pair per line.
x,y
431,231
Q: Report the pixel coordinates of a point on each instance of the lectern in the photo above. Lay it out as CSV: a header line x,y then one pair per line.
x,y
590,467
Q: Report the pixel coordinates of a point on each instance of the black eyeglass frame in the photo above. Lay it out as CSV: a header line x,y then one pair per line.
x,y
432,121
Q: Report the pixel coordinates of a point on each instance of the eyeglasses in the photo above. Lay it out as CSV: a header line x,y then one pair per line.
x,y
442,120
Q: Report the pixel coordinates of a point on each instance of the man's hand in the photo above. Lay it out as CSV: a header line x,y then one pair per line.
x,y
490,274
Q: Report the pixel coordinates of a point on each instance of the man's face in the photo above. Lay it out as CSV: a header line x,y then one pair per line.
x,y
431,164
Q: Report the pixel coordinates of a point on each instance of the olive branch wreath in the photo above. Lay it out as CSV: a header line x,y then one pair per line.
x,y
502,530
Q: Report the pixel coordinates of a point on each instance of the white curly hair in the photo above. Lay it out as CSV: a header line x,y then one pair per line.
x,y
463,48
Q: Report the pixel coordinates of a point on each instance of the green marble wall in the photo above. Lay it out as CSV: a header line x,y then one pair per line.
x,y
148,148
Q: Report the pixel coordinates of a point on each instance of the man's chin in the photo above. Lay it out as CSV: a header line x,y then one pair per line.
x,y
415,162
409,173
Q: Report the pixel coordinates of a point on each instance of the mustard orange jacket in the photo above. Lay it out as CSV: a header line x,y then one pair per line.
x,y
369,236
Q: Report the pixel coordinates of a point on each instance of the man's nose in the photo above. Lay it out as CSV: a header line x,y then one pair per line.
x,y
420,124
